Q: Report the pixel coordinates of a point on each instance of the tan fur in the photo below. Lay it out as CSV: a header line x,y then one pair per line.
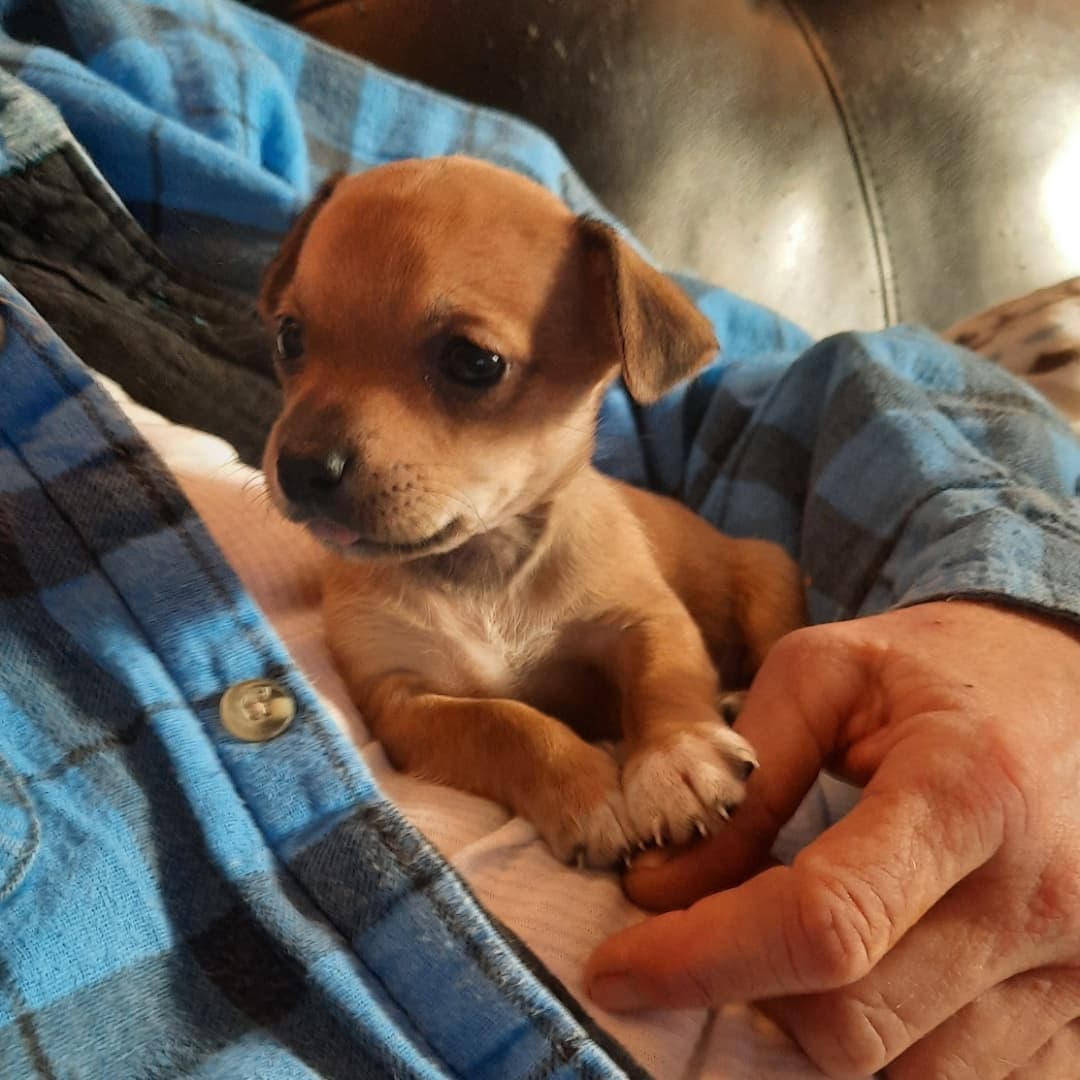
x,y
546,602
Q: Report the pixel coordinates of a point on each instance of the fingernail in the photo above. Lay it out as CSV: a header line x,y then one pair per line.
x,y
619,993
653,858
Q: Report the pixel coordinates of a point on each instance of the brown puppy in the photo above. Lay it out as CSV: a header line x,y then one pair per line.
x,y
445,331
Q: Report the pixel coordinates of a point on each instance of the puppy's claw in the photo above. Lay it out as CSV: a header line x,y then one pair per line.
x,y
729,706
701,828
579,858
627,859
658,836
723,811
745,767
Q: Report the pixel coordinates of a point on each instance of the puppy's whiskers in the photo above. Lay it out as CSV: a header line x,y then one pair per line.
x,y
451,491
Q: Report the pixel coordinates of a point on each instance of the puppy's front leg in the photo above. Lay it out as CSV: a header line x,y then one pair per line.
x,y
507,751
685,768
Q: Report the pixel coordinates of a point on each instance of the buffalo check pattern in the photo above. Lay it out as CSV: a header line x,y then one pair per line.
x,y
175,902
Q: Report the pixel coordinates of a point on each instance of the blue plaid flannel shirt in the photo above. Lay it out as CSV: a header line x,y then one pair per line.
x,y
175,902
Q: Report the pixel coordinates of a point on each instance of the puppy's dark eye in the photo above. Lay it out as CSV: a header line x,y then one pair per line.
x,y
470,365
289,343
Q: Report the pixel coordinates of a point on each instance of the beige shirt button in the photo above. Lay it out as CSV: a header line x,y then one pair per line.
x,y
257,710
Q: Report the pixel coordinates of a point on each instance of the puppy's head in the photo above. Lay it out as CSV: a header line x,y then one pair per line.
x,y
444,332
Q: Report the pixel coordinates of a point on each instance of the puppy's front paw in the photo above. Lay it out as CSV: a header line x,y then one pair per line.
x,y
582,814
729,704
687,780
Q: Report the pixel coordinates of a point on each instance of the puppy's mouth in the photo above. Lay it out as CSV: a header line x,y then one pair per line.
x,y
349,541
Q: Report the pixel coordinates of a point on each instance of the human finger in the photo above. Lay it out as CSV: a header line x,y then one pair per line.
x,y
794,718
955,962
1000,1031
827,920
1056,1060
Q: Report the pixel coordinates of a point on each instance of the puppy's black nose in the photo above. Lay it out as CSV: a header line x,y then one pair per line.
x,y
311,479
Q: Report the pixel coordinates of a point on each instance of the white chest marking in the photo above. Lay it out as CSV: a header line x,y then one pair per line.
x,y
496,643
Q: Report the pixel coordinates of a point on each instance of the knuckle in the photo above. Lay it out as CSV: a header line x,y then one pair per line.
x,y
950,1064
853,1033
839,929
1005,773
800,649
1012,784
822,669
1053,906
962,804
858,1045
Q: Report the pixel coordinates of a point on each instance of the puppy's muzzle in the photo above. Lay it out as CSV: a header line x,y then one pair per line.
x,y
349,508
310,481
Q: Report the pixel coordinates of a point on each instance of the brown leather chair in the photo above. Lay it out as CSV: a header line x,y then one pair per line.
x,y
852,163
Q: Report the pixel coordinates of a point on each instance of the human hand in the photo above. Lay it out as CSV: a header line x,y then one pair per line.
x,y
934,930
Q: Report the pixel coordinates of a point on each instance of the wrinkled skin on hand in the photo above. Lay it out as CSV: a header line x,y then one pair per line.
x,y
934,931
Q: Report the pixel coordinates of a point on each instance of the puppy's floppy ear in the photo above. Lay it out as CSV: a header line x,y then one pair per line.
x,y
279,273
661,338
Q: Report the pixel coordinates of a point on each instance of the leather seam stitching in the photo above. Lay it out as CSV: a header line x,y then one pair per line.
x,y
864,172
